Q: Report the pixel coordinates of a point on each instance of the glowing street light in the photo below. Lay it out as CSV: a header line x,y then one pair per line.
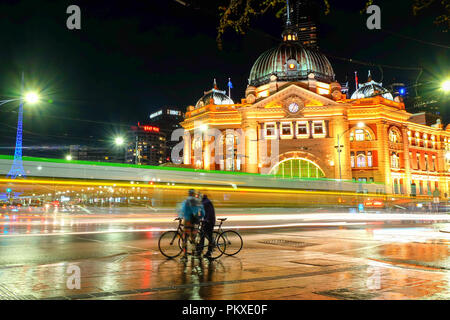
x,y
31,97
69,157
119,141
446,86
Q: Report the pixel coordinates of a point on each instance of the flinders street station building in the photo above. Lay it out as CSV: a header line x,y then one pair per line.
x,y
296,123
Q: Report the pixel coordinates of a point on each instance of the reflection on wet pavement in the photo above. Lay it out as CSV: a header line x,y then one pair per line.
x,y
384,263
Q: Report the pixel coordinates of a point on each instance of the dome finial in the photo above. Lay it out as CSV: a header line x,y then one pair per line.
x,y
369,77
288,20
215,84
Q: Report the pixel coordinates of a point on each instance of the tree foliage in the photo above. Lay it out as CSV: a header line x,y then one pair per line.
x,y
237,14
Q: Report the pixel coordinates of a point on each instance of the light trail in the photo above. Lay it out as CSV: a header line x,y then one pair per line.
x,y
192,186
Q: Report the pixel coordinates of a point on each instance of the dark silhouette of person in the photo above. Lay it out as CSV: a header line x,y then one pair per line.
x,y
208,226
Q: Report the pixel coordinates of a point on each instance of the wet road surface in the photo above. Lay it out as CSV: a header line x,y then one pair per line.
x,y
403,257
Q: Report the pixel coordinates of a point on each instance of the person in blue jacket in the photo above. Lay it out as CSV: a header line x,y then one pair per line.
x,y
192,212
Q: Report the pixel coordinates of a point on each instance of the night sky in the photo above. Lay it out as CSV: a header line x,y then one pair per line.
x,y
132,57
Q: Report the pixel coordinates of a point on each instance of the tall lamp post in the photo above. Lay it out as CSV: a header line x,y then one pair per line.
x,y
339,146
31,98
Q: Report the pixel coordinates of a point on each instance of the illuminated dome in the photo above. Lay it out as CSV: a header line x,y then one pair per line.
x,y
290,61
371,89
214,96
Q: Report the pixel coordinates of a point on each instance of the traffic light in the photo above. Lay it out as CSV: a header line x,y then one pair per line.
x,y
9,190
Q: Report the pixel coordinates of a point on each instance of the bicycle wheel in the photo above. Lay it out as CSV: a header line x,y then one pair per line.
x,y
233,242
170,244
219,247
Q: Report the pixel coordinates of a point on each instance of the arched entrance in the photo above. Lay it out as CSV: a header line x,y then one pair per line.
x,y
297,168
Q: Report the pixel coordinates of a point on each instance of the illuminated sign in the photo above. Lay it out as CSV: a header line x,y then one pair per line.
x,y
150,128
374,203
155,114
173,112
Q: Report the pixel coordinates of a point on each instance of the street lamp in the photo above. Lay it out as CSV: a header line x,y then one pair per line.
x,y
69,157
119,141
446,86
339,146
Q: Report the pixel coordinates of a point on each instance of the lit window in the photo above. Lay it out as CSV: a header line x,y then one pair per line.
x,y
302,129
369,159
394,135
395,163
318,128
270,130
286,129
359,135
352,159
361,160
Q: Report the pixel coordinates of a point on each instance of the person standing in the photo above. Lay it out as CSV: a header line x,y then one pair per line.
x,y
208,226
191,212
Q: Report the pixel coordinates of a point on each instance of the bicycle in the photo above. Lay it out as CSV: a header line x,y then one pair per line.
x,y
233,240
171,243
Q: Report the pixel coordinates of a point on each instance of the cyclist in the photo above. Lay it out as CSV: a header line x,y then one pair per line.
x,y
191,212
208,226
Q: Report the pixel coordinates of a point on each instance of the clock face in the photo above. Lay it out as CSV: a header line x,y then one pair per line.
x,y
293,107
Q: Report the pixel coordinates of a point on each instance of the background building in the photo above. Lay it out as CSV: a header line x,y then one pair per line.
x,y
147,145
167,119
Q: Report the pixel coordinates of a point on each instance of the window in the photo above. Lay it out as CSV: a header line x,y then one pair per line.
x,y
352,159
369,159
302,129
270,129
418,160
286,129
359,135
318,128
371,180
361,159
394,135
395,163
433,163
426,162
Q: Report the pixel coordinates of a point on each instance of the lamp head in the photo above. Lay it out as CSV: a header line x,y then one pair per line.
x,y
31,97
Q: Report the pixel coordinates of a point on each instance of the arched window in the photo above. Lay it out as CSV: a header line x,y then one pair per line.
x,y
394,135
360,135
352,159
298,168
369,159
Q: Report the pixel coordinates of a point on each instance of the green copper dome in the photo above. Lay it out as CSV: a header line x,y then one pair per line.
x,y
290,61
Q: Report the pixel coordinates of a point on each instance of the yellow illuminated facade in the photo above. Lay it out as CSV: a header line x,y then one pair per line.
x,y
292,117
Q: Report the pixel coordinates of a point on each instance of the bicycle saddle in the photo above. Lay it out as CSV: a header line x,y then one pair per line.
x,y
222,219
